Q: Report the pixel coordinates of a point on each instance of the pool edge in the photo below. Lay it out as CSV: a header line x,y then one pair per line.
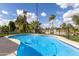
x,y
69,42
63,39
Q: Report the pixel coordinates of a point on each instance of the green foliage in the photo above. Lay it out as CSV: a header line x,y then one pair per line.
x,y
21,23
5,29
74,38
75,18
63,26
12,26
52,17
35,26
23,26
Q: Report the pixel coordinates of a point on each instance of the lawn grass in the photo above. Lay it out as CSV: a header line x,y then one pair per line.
x,y
72,37
1,35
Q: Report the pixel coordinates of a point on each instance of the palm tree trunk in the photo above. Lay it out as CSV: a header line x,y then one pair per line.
x,y
68,32
59,31
74,32
53,30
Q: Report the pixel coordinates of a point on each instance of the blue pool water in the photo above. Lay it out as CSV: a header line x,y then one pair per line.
x,y
42,45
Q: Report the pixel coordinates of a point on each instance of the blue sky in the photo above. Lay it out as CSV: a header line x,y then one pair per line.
x,y
8,11
11,9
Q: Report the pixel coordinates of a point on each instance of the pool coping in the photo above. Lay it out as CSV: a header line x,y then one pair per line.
x,y
63,39
69,42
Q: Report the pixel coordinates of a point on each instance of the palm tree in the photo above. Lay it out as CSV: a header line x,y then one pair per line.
x,y
36,26
64,27
59,30
75,29
52,17
21,22
68,26
75,18
52,29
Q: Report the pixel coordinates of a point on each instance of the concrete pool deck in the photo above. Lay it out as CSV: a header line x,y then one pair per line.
x,y
9,46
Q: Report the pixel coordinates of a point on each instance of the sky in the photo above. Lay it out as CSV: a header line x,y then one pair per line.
x,y
63,12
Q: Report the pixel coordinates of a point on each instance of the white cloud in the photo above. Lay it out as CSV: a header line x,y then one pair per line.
x,y
70,13
43,14
67,16
76,5
4,12
13,20
5,21
31,17
46,25
65,5
69,21
19,12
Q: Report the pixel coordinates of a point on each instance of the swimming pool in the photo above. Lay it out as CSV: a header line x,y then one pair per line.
x,y
43,45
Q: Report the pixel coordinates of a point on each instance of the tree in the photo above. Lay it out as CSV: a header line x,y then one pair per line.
x,y
36,26
30,28
0,29
64,27
21,22
12,26
73,29
52,17
5,29
69,26
58,30
75,18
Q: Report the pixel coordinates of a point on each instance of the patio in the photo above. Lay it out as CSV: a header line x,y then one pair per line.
x,y
7,47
